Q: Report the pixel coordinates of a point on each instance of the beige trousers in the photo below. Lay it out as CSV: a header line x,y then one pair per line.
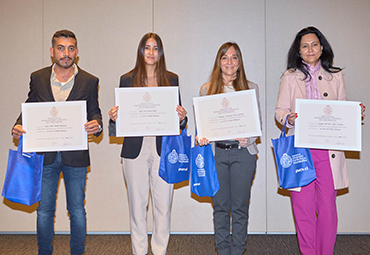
x,y
141,175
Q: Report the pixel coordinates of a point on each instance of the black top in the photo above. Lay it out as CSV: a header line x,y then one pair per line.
x,y
132,145
85,88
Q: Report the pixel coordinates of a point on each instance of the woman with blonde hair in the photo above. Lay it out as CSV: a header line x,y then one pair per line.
x,y
235,159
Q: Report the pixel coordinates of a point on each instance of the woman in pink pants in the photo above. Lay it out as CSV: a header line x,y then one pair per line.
x,y
310,75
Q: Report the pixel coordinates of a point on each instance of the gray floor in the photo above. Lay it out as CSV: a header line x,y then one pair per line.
x,y
181,245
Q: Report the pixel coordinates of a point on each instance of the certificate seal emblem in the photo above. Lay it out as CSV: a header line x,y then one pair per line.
x,y
54,112
328,110
225,103
173,157
286,161
199,161
147,97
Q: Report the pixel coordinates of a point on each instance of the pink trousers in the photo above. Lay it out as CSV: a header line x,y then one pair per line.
x,y
315,210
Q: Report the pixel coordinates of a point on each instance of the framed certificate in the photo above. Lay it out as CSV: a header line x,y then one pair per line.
x,y
328,124
54,126
147,111
227,116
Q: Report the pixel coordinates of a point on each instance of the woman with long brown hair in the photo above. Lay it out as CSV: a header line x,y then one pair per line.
x,y
235,159
141,155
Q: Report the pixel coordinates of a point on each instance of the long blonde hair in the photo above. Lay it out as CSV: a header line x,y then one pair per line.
x,y
216,80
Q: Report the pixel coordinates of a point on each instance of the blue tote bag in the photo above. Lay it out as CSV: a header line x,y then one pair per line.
x,y
175,155
294,165
204,179
23,176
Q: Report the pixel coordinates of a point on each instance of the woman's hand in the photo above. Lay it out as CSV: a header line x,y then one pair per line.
x,y
181,112
113,113
362,110
291,118
243,142
203,141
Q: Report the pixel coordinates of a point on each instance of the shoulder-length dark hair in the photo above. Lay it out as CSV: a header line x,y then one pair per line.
x,y
216,80
294,57
139,71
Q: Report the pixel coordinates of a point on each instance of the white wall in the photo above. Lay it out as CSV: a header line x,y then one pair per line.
x,y
192,31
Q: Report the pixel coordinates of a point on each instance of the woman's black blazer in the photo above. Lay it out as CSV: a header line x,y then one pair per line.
x,y
132,145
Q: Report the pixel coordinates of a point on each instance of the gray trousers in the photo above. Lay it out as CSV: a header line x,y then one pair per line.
x,y
235,170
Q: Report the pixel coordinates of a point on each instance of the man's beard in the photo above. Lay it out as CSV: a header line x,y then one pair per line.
x,y
61,63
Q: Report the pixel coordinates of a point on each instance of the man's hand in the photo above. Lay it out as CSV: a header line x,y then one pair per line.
x,y
92,127
18,131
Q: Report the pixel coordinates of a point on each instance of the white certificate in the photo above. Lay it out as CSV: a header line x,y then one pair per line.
x,y
147,111
328,124
227,116
54,126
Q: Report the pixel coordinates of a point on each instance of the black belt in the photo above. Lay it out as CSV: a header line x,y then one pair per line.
x,y
227,146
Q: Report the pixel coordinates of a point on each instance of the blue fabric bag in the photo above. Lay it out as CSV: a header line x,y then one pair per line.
x,y
204,179
294,165
175,155
23,176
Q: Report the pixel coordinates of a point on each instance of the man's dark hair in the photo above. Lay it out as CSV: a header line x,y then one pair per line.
x,y
63,33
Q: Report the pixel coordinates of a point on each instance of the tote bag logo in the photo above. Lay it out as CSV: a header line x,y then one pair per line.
x,y
173,157
286,161
199,161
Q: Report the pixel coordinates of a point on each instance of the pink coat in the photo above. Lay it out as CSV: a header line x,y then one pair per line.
x,y
331,87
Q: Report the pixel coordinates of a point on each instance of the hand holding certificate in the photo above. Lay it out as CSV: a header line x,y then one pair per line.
x,y
54,126
227,116
328,124
147,111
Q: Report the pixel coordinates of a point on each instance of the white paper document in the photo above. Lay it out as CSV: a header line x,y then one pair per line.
x,y
54,126
147,111
328,124
227,116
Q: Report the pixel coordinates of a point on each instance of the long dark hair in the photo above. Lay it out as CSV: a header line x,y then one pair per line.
x,y
294,57
139,71
216,80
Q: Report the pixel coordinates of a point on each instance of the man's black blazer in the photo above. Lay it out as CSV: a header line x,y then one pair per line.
x,y
132,145
85,88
